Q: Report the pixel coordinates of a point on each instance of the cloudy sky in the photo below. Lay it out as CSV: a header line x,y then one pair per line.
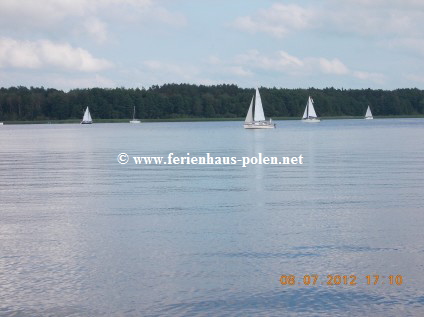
x,y
67,44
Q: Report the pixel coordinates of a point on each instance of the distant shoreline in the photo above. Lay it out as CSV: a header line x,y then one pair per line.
x,y
73,121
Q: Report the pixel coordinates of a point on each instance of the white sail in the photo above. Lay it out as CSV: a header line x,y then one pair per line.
x,y
87,117
368,114
249,117
305,114
259,111
311,110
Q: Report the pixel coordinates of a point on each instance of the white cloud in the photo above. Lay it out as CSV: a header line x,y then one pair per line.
x,y
334,66
284,62
253,62
393,25
58,9
415,78
64,17
382,19
381,4
239,71
44,54
40,13
373,21
278,20
213,60
163,69
367,76
281,61
415,45
18,54
352,40
96,28
363,17
167,17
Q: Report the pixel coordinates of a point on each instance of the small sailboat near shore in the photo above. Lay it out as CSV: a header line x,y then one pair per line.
x,y
255,118
368,114
134,120
87,117
310,115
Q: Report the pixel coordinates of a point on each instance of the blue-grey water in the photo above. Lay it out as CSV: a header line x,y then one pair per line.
x,y
82,235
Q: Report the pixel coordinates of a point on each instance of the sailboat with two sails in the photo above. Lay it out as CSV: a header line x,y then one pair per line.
x,y
255,118
368,114
310,115
87,117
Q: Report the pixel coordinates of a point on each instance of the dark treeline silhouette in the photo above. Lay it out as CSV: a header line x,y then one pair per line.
x,y
193,101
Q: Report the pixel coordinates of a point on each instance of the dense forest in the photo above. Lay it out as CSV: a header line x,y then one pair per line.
x,y
194,101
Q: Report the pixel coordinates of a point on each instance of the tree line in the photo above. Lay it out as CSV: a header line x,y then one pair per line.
x,y
198,101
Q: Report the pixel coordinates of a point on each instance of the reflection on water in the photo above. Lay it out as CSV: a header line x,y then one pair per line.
x,y
81,235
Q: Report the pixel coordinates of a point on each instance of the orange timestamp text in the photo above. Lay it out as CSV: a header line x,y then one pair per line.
x,y
340,279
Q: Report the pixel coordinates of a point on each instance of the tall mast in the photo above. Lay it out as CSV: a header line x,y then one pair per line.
x,y
307,108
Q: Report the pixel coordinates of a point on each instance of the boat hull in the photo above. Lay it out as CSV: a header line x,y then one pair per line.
x,y
311,120
135,121
369,118
86,122
259,125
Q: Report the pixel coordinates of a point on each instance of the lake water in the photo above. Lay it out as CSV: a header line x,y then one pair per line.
x,y
82,235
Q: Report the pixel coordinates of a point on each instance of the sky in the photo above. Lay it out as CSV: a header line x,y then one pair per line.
x,y
350,44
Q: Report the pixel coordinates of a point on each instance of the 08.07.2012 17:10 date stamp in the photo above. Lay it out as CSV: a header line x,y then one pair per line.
x,y
339,279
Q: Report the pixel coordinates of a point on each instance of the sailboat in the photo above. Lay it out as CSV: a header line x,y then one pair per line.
x,y
368,114
87,117
133,119
310,115
255,118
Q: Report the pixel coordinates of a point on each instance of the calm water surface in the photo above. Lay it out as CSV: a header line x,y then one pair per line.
x,y
81,235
